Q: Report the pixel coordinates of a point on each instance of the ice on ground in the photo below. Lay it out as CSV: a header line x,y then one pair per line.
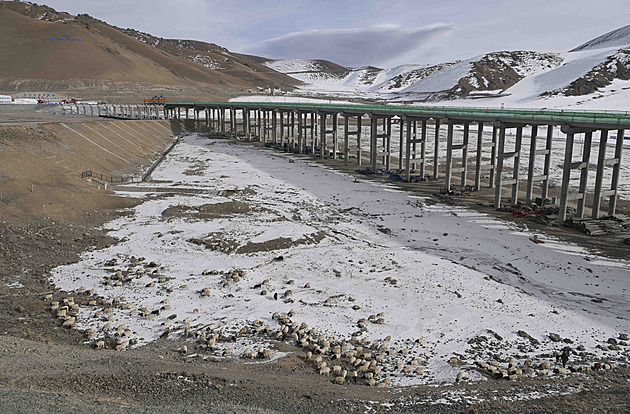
x,y
442,276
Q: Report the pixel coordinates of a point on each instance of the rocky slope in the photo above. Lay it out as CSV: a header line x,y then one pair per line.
x,y
215,57
616,67
41,51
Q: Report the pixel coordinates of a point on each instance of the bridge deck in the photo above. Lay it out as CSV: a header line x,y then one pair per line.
x,y
594,119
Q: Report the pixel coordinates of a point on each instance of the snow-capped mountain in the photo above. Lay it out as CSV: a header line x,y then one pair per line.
x,y
616,38
490,73
596,74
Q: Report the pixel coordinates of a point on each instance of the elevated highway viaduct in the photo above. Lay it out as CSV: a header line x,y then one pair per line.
x,y
479,153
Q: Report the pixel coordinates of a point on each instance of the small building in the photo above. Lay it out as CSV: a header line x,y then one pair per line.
x,y
25,101
6,99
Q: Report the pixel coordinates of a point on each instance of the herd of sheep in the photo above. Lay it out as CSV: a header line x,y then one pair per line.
x,y
357,359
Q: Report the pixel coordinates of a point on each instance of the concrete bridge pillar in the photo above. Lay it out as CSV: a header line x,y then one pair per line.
x,y
478,156
423,146
450,147
401,140
292,129
413,157
499,172
359,133
300,137
265,126
387,142
322,129
346,138
449,153
612,203
274,126
501,157
464,167
532,164
586,155
247,124
259,124
282,129
517,163
436,150
583,167
566,175
313,128
409,150
493,156
602,163
334,131
373,141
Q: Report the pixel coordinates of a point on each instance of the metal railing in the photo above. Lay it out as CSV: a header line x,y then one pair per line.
x,y
110,178
542,116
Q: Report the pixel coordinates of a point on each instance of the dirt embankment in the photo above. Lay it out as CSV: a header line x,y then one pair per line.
x,y
48,212
41,165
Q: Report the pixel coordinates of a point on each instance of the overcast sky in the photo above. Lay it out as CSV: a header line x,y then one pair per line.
x,y
382,33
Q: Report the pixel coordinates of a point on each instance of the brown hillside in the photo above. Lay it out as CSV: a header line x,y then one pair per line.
x,y
106,60
246,67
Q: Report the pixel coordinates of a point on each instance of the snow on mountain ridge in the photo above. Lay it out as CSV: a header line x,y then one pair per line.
x,y
616,38
616,66
489,72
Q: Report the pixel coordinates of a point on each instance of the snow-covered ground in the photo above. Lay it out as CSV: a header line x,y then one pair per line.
x,y
557,156
442,276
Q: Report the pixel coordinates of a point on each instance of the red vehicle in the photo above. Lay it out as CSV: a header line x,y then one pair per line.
x,y
156,100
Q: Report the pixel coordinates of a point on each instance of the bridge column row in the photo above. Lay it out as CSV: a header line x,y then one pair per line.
x,y
321,138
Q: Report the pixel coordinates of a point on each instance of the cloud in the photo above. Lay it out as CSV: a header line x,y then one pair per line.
x,y
376,45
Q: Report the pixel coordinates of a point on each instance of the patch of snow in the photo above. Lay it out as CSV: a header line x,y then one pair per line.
x,y
447,265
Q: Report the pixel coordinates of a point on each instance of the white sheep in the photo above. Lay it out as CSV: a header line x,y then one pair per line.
x,y
68,323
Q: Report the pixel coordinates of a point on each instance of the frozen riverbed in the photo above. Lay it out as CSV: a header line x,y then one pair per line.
x,y
347,249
